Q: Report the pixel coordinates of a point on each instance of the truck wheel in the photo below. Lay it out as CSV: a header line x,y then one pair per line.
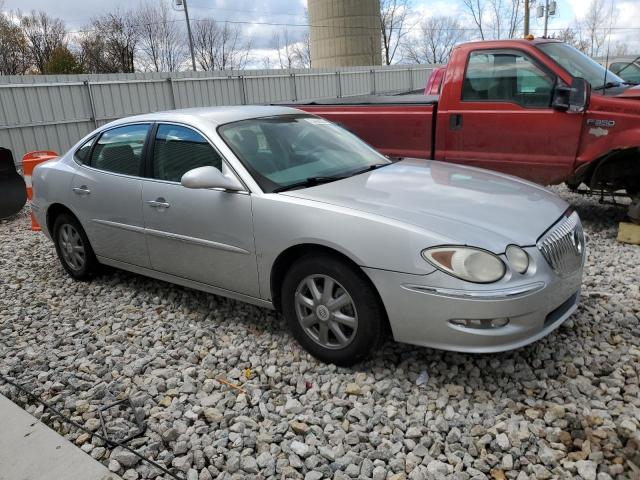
x,y
73,248
332,310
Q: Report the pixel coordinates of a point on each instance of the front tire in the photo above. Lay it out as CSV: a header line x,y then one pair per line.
x,y
332,310
73,248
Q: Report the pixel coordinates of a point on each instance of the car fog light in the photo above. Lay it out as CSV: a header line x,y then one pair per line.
x,y
480,323
518,258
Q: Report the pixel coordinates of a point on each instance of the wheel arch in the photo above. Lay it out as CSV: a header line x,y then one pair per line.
x,y
54,211
288,257
606,172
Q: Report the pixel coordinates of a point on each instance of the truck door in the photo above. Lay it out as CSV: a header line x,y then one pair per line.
x,y
500,117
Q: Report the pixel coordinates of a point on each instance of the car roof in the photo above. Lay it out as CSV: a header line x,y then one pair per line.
x,y
212,115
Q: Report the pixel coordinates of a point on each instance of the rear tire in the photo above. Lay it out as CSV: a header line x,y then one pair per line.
x,y
73,248
332,310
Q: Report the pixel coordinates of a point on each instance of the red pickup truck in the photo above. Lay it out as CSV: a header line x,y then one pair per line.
x,y
538,109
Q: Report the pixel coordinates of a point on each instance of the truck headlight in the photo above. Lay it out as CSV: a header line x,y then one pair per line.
x,y
518,258
467,263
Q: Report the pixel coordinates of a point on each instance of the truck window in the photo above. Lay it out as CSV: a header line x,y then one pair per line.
x,y
506,77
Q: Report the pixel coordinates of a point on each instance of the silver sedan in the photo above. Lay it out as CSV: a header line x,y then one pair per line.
x,y
285,210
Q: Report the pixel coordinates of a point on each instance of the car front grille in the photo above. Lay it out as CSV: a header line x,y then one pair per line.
x,y
563,245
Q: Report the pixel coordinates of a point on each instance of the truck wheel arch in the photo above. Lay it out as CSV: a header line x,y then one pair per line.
x,y
615,170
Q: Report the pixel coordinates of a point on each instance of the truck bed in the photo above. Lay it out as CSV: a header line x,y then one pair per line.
x,y
382,120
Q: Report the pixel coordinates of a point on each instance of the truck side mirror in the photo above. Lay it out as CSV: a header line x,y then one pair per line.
x,y
574,99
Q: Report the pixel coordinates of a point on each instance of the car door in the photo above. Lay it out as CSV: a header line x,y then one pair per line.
x,y
107,193
204,235
503,119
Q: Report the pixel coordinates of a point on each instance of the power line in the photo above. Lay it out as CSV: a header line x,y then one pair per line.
x,y
308,25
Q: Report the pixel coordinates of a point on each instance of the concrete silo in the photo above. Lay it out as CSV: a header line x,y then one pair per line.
x,y
344,32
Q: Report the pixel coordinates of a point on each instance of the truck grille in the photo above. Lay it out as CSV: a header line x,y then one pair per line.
x,y
563,245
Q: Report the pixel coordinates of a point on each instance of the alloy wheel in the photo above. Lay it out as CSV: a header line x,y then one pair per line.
x,y
326,311
72,247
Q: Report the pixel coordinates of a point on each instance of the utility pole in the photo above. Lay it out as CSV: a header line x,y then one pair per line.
x,y
546,16
183,3
526,17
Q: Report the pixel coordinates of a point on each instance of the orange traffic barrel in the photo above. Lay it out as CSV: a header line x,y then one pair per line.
x,y
29,162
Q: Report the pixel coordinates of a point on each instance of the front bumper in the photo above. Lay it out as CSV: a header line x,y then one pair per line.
x,y
421,308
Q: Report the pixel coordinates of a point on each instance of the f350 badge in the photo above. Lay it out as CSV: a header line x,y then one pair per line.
x,y
599,127
592,122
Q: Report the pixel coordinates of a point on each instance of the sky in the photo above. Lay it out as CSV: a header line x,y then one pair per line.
x,y
77,14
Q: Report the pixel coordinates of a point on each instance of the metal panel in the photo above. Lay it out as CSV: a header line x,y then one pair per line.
x,y
54,111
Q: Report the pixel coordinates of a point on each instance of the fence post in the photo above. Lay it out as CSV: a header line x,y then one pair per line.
x,y
410,79
173,93
339,83
243,90
295,91
91,104
373,81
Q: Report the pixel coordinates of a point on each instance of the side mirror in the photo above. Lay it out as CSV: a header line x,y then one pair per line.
x,y
574,99
209,177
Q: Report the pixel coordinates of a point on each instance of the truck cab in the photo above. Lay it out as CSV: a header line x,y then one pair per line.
x,y
507,100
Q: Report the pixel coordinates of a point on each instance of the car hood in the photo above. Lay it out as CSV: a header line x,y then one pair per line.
x,y
452,203
633,92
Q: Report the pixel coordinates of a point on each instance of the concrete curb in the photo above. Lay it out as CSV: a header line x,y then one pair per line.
x,y
29,450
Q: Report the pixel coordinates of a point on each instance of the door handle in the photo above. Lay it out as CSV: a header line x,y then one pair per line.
x,y
158,203
83,190
455,121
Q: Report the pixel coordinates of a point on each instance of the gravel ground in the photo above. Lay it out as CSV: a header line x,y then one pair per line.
x,y
566,407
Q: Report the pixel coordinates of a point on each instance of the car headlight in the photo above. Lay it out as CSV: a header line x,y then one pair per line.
x,y
518,258
466,263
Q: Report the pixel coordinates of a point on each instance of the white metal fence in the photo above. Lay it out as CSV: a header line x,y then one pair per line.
x,y
54,111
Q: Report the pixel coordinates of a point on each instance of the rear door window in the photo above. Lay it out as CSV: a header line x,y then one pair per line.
x,y
120,150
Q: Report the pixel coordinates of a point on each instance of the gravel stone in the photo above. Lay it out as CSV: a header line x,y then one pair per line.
x,y
300,449
124,457
586,469
249,465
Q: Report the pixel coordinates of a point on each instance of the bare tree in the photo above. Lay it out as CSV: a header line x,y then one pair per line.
x,y
595,27
302,51
476,8
162,41
496,18
507,18
220,47
394,26
620,49
437,37
284,47
44,35
571,36
110,42
14,57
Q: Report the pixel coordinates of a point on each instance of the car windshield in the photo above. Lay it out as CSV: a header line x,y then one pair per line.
x,y
579,65
288,151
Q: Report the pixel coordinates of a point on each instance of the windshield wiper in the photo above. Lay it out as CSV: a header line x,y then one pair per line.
x,y
313,181
607,85
307,182
368,169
